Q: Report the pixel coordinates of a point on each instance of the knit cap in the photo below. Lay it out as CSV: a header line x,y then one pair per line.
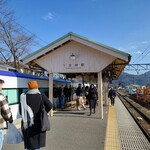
x,y
32,85
1,81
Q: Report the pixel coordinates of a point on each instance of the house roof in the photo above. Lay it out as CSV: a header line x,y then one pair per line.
x,y
122,58
75,35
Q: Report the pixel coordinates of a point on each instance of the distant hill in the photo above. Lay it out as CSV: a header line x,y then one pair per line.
x,y
127,79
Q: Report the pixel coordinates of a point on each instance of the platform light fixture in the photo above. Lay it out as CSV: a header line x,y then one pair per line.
x,y
72,56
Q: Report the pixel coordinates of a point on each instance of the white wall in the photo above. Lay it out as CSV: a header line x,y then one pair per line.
x,y
14,82
59,59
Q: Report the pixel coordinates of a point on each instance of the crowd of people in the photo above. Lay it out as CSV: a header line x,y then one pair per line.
x,y
62,95
87,95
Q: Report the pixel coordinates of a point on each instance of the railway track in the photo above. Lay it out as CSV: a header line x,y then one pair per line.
x,y
140,114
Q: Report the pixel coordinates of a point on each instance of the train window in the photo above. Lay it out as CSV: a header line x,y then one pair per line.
x,y
12,95
14,70
5,92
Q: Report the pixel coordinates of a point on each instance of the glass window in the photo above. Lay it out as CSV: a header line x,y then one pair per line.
x,y
12,95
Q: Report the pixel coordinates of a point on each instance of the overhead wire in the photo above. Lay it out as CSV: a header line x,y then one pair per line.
x,y
145,55
139,57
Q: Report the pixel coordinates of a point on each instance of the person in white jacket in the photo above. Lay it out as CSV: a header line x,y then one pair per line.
x,y
5,113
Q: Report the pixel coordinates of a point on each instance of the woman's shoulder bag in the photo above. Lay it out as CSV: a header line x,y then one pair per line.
x,y
45,123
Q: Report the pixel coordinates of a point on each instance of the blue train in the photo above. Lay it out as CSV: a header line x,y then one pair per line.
x,y
16,83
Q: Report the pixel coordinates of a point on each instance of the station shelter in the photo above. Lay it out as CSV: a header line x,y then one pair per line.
x,y
74,55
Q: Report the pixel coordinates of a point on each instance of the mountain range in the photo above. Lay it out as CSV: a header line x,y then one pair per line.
x,y
126,79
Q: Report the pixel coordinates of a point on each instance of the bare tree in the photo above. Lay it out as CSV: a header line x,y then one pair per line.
x,y
14,41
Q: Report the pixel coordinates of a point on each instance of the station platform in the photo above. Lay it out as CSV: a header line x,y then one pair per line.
x,y
122,132
76,130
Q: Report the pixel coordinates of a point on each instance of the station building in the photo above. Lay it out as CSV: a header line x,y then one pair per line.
x,y
78,57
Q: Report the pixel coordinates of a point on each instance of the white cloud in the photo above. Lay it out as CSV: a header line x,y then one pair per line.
x,y
138,43
133,47
137,52
144,42
49,16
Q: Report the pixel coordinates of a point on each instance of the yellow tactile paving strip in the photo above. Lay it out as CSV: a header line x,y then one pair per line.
x,y
112,140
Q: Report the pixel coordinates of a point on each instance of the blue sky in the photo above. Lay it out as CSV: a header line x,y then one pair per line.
x,y
121,24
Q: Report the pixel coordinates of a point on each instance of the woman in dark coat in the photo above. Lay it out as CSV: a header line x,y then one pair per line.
x,y
30,111
112,95
92,98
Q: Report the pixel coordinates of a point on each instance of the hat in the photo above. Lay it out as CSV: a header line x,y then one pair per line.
x,y
1,81
32,84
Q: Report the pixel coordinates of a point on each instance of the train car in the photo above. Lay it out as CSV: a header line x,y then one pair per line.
x,y
16,83
132,89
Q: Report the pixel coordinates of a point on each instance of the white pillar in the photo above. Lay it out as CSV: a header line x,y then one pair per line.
x,y
100,96
51,91
105,87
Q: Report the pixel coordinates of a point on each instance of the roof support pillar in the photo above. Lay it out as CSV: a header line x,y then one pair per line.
x,y
105,87
51,91
100,96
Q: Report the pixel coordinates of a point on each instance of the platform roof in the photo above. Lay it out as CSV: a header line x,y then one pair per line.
x,y
121,59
